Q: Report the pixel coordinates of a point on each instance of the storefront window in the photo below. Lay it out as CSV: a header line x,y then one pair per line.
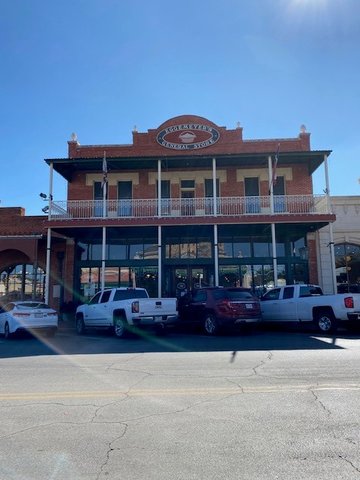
x,y
241,249
225,250
204,249
22,281
117,252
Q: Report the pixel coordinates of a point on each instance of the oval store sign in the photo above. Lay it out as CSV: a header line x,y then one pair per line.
x,y
188,136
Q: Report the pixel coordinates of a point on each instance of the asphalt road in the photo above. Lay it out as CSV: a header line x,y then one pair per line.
x,y
265,405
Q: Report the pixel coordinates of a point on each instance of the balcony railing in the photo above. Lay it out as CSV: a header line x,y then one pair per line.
x,y
189,207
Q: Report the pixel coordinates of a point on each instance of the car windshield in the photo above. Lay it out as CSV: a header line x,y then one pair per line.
x,y
32,305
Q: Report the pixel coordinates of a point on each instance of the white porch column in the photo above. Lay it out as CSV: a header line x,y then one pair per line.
x,y
159,188
103,257
273,235
159,262
48,238
331,233
216,256
215,193
48,266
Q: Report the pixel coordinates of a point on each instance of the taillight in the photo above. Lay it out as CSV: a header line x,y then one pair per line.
x,y
349,302
224,304
135,307
22,314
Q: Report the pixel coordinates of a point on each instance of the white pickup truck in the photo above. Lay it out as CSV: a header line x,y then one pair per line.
x,y
307,303
125,310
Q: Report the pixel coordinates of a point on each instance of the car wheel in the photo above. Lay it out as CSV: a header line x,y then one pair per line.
x,y
326,322
211,326
80,326
120,326
7,333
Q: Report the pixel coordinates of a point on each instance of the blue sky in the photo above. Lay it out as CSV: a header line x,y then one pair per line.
x,y
99,67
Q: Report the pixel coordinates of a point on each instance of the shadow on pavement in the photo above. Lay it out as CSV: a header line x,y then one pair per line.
x,y
67,342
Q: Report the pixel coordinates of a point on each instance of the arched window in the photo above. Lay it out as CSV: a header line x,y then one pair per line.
x,y
22,281
347,260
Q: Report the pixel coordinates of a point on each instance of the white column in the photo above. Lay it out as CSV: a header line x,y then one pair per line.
x,y
103,257
215,193
159,188
50,189
48,238
48,266
273,235
159,262
331,233
216,256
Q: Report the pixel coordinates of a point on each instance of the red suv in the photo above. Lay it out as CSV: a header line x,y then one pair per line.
x,y
217,307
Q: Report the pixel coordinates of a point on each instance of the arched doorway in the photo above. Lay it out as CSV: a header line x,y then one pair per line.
x,y
347,260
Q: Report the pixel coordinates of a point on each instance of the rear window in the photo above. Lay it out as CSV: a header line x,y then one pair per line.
x,y
128,294
233,295
34,305
309,290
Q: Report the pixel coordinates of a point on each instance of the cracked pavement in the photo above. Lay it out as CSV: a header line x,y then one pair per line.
x,y
266,413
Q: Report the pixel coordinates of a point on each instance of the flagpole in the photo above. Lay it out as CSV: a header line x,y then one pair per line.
x,y
273,235
103,254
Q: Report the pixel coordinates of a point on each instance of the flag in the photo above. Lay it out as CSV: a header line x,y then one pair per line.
x,y
274,166
104,171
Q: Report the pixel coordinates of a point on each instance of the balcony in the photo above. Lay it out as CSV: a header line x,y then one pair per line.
x,y
189,207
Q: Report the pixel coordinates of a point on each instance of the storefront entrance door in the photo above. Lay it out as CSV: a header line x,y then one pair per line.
x,y
185,279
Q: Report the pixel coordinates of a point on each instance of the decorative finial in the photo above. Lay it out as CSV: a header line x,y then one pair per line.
x,y
238,125
74,137
302,128
134,129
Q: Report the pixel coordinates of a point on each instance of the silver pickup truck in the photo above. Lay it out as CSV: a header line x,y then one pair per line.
x,y
126,310
307,303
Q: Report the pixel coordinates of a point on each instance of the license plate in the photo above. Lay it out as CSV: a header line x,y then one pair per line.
x,y
38,315
158,319
249,305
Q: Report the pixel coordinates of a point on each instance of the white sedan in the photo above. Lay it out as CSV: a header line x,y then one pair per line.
x,y
27,315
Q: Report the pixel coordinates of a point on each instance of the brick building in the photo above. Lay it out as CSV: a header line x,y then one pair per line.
x,y
187,204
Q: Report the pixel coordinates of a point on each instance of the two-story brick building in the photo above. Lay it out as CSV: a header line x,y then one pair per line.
x,y
187,204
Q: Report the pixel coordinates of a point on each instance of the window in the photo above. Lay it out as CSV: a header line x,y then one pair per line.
x,y
288,292
125,198
165,196
98,195
105,296
95,299
252,203
272,294
199,296
309,290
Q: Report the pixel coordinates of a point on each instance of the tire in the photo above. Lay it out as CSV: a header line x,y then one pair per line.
x,y
120,326
7,333
325,321
211,325
80,326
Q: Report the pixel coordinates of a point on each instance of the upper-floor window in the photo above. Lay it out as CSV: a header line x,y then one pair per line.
x,y
124,198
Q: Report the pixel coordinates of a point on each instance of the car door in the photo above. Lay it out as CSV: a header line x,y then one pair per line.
x,y
198,305
91,313
270,305
105,316
287,311
2,319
